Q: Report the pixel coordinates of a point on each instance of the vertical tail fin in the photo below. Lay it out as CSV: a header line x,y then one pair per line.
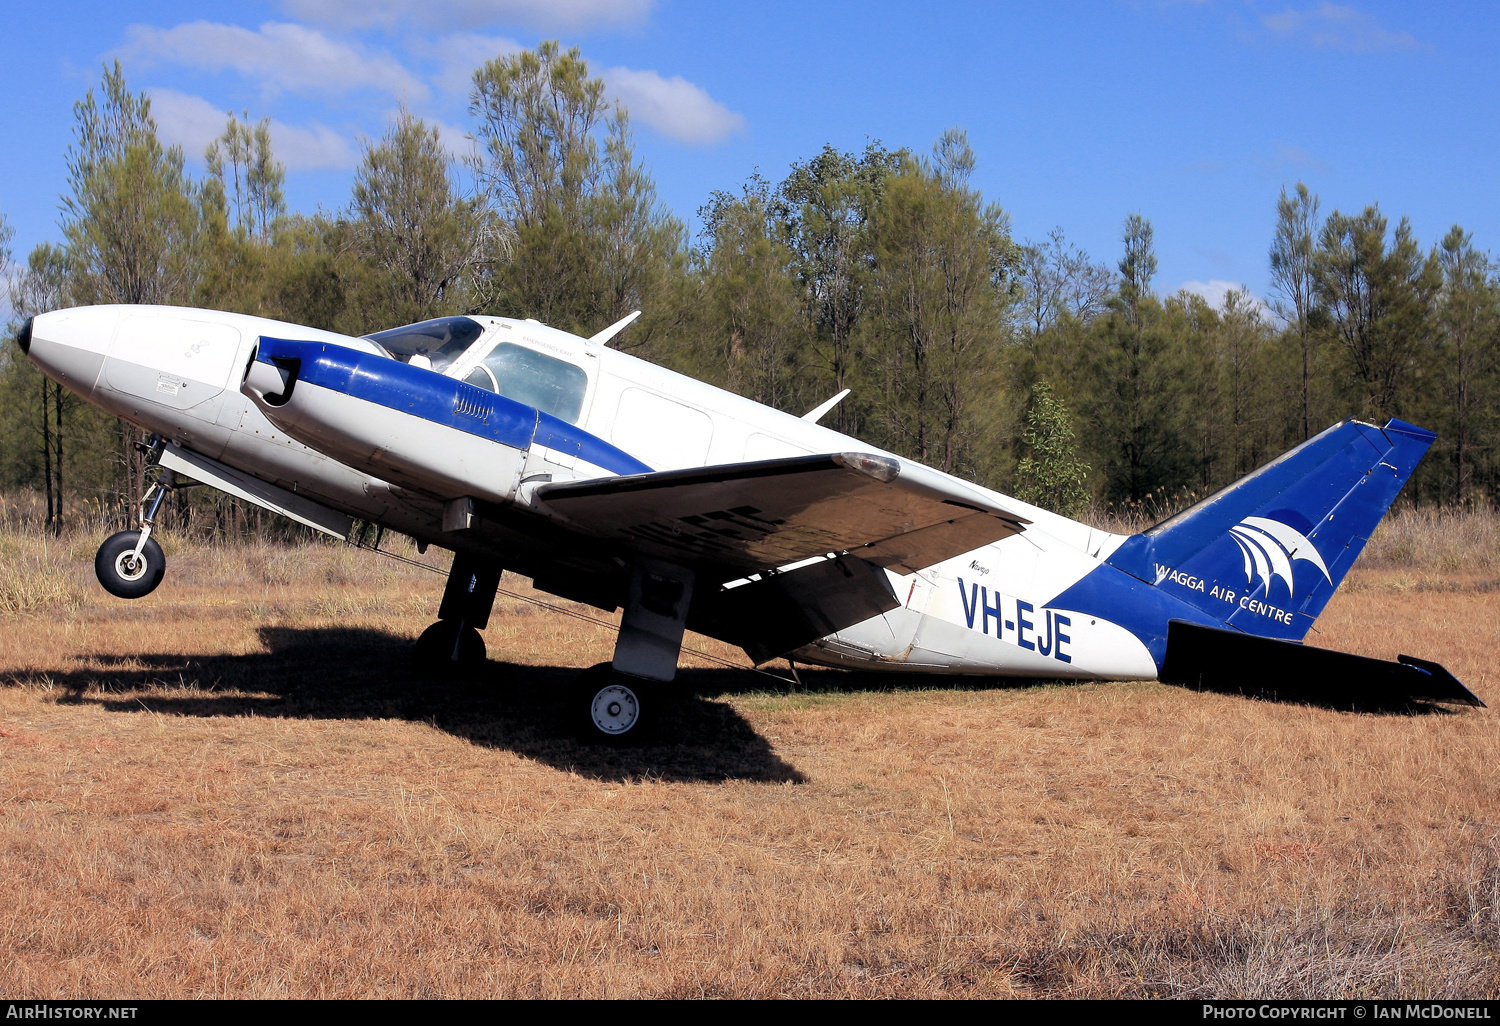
x,y
1265,554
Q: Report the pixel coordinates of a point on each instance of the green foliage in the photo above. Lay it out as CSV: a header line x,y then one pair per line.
x,y
55,442
588,241
1134,369
1468,350
1050,474
1378,301
826,209
1057,281
748,318
940,290
130,220
883,272
423,240
240,163
1293,278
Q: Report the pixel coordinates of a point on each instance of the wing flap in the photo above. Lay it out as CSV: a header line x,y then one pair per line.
x,y
759,516
783,612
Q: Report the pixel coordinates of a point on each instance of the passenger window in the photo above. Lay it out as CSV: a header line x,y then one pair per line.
x,y
552,386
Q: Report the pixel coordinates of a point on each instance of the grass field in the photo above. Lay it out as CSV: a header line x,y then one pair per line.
x,y
240,786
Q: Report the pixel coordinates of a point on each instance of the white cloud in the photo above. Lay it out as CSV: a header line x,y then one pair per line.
x,y
192,123
1338,28
673,106
460,54
277,55
540,14
187,121
1216,290
455,140
316,146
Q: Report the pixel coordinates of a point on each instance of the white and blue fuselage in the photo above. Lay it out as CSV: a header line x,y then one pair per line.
x,y
400,441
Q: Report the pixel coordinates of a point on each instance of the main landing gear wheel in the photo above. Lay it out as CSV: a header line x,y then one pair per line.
x,y
613,708
126,573
450,645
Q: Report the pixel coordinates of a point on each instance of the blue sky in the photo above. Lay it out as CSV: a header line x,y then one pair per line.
x,y
1194,114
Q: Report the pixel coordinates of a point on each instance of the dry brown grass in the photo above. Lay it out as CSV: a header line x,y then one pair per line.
x,y
239,786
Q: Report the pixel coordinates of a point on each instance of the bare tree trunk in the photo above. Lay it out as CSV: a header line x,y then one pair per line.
x,y
1306,387
57,406
52,512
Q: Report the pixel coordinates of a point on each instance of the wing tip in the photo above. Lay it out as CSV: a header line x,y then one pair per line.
x,y
881,468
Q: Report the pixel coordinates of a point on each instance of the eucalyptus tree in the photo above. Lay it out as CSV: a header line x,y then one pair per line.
x,y
1050,472
1060,280
943,281
750,332
826,206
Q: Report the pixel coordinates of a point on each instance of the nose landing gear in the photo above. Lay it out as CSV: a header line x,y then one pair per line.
x,y
130,564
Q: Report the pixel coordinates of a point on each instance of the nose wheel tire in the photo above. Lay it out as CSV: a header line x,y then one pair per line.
x,y
122,572
612,708
450,645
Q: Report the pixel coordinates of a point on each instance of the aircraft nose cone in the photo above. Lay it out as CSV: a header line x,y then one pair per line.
x,y
23,337
69,345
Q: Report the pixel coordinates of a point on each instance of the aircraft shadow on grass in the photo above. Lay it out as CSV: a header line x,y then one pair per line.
x,y
358,673
1336,696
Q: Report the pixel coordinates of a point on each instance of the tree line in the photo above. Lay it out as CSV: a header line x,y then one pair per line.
x,y
1025,365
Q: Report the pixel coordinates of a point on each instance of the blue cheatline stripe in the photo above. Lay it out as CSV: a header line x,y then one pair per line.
x,y
442,400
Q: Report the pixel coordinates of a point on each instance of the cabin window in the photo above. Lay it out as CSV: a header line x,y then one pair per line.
x,y
551,385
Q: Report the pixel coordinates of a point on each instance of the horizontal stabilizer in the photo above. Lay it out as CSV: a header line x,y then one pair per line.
x,y
751,517
1227,660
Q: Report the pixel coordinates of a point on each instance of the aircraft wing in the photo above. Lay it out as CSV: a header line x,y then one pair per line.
x,y
759,516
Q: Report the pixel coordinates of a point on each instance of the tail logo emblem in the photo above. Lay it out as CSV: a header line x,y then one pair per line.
x,y
1269,546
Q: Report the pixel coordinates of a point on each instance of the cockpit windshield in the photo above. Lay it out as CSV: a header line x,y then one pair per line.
x,y
442,340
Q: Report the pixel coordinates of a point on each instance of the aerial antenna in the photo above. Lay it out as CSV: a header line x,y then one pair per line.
x,y
816,414
615,328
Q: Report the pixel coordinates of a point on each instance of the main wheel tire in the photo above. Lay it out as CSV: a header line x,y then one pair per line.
x,y
121,573
449,645
613,708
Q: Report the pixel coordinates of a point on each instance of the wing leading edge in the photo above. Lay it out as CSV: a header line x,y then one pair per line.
x,y
759,516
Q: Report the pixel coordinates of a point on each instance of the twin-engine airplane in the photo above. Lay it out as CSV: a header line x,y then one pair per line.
x,y
614,482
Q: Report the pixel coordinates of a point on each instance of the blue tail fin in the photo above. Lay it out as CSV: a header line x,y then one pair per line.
x,y
1265,554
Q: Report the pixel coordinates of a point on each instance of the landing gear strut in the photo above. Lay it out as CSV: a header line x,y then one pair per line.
x,y
130,564
454,641
617,702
